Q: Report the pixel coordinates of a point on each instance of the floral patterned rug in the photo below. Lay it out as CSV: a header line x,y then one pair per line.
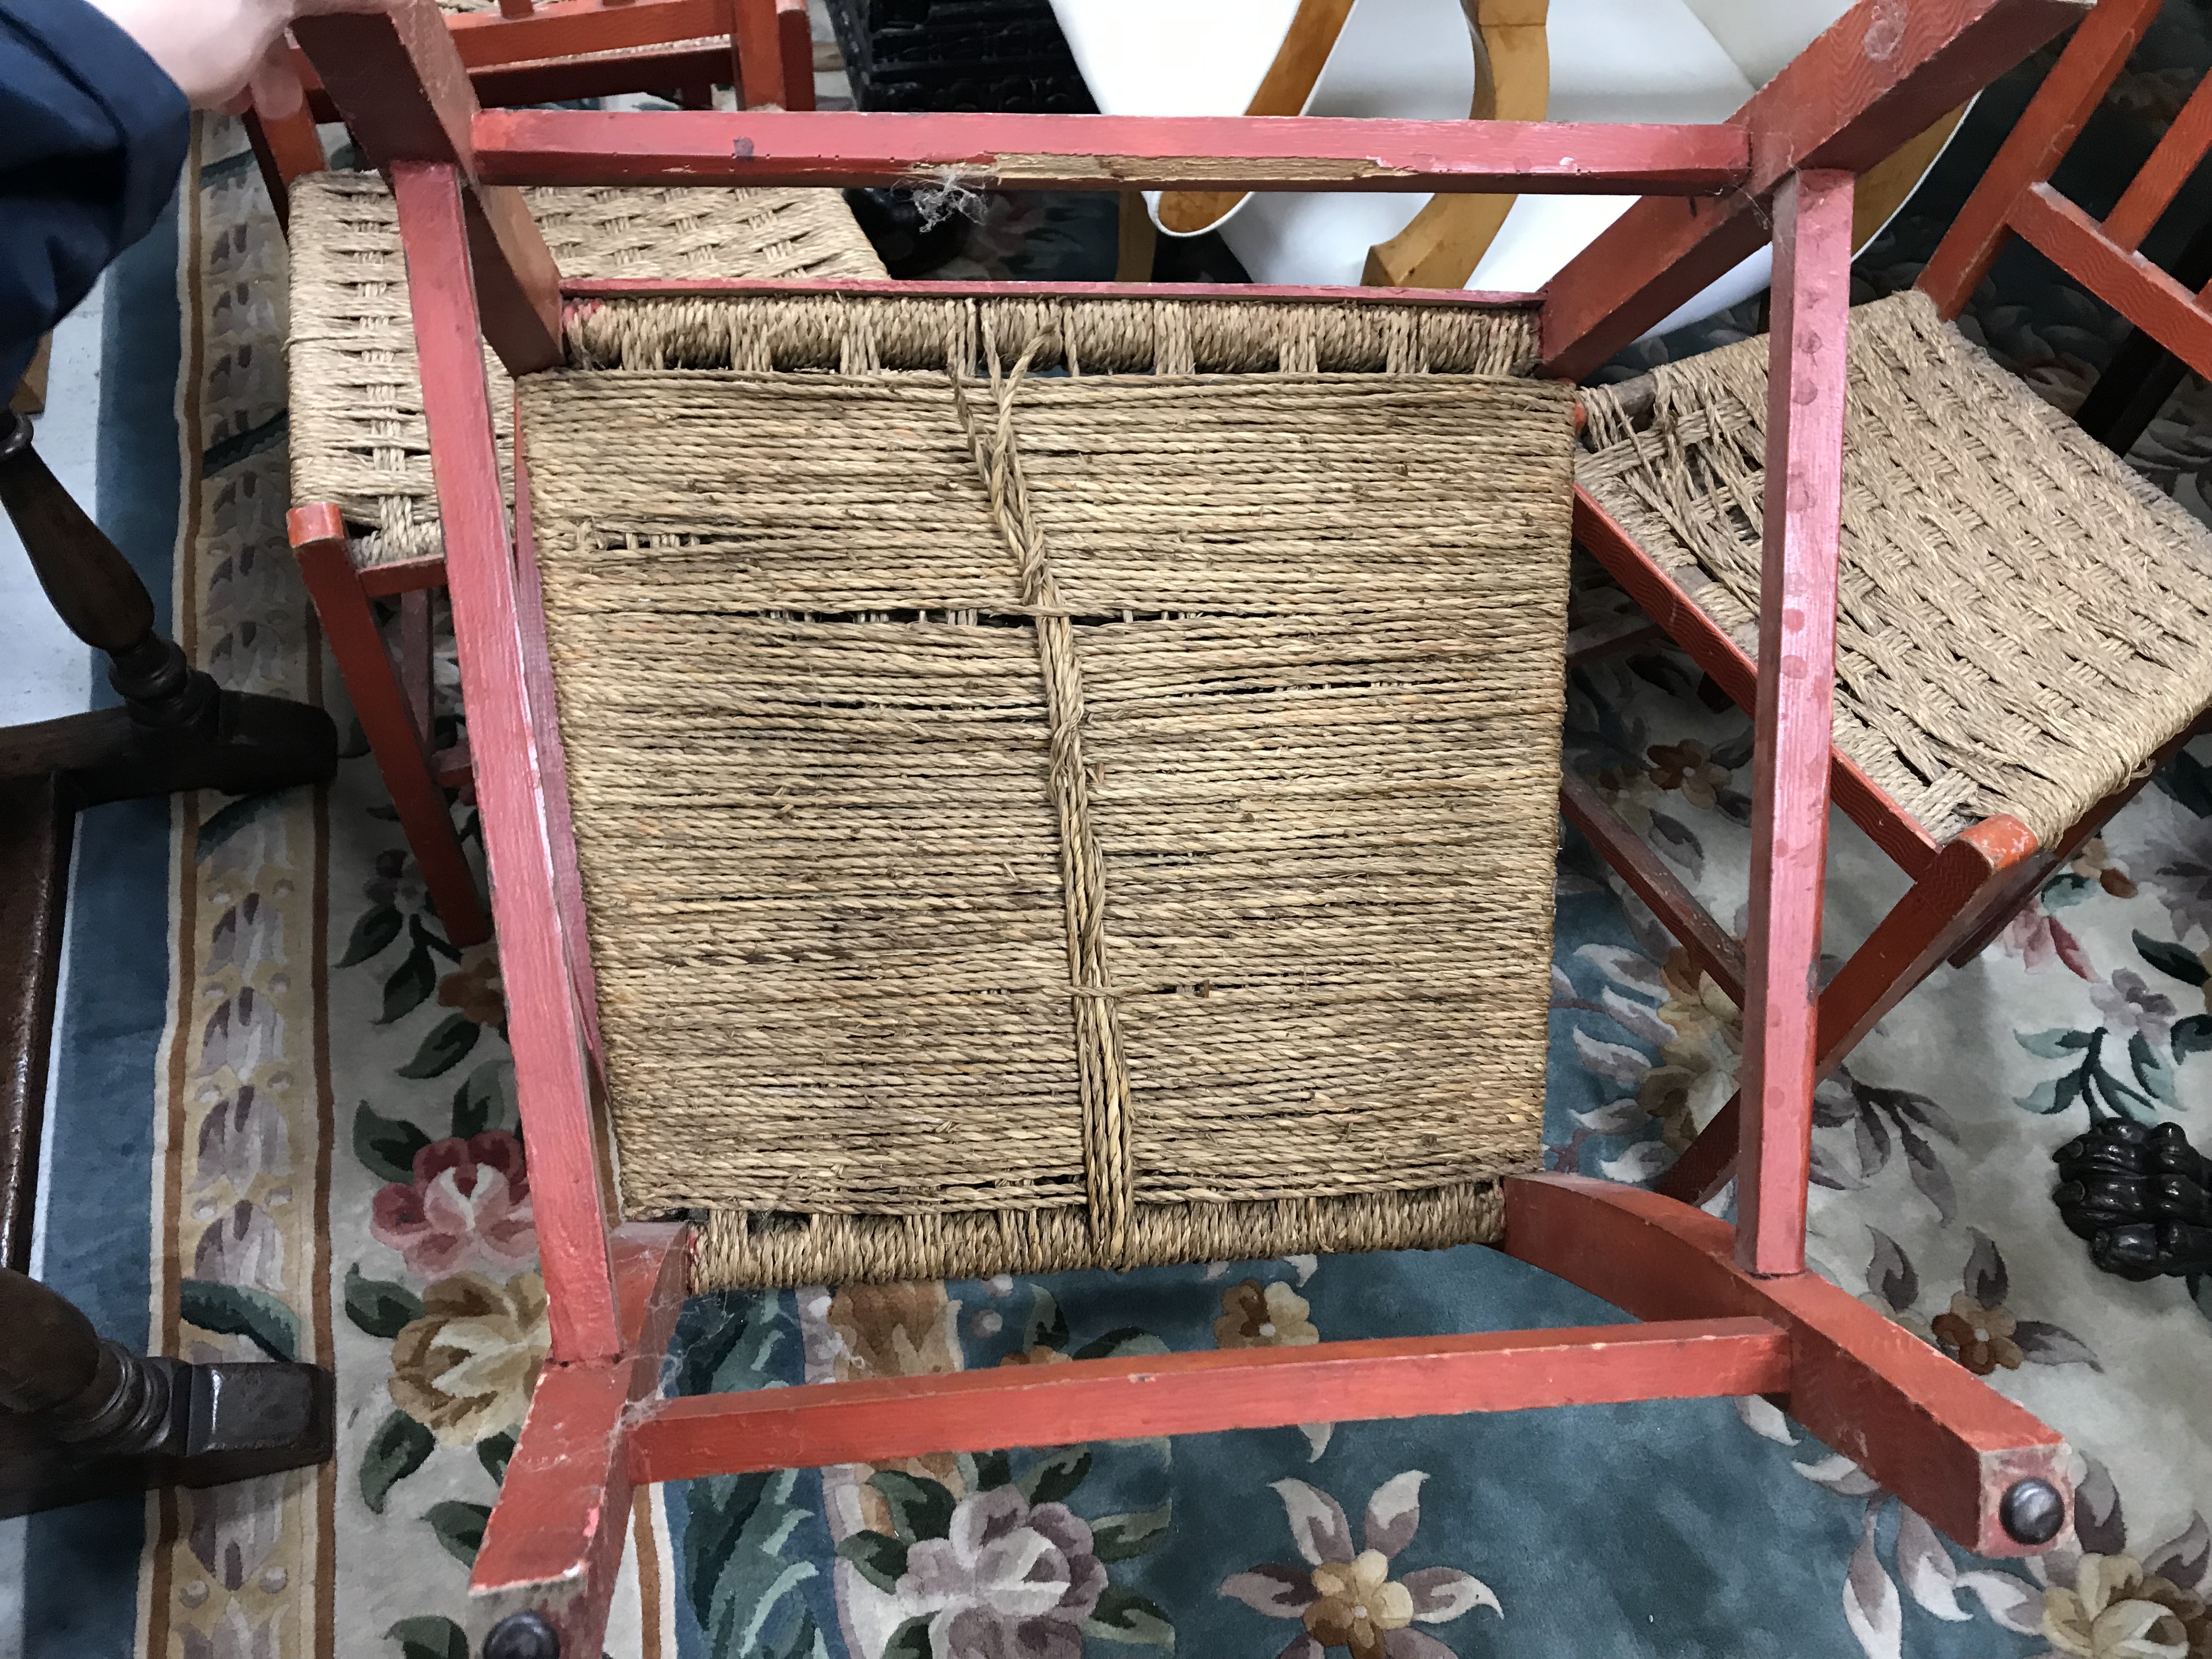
x,y
337,1174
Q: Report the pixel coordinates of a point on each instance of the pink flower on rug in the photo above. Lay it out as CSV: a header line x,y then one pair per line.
x,y
2038,940
1011,1581
470,1200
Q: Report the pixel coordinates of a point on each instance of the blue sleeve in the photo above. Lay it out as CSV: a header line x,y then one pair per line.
x,y
92,136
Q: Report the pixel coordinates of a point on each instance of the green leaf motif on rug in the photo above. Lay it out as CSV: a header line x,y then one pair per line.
x,y
1123,1537
480,1103
920,1507
397,1448
743,1573
410,984
495,1454
1052,1479
386,1145
2192,1035
880,1558
983,1470
459,1527
378,1306
2052,1045
909,1641
429,1639
378,926
1122,1615
237,1310
2176,961
445,1046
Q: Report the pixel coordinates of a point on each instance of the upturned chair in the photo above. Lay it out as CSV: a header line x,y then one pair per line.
x,y
2025,624
958,761
358,440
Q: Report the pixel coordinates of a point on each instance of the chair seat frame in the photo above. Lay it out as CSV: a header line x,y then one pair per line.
x,y
1730,1310
1965,891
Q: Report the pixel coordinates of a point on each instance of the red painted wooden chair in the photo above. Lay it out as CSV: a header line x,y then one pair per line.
x,y
518,51
2065,654
357,440
580,628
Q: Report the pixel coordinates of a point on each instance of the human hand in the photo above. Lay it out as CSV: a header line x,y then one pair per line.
x,y
222,52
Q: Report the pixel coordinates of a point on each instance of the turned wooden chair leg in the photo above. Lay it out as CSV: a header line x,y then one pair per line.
x,y
85,1418
397,727
38,817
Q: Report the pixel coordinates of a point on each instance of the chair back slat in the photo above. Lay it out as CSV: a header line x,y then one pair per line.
x,y
2177,156
2016,198
2054,119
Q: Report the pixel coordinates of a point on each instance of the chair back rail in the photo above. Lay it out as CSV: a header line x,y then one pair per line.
x,y
2016,197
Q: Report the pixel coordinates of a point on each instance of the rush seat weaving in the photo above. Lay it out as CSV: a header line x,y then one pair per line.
x,y
1043,801
2022,621
357,433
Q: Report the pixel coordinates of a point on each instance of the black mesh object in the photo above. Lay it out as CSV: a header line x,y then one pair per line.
x,y
2140,1196
999,54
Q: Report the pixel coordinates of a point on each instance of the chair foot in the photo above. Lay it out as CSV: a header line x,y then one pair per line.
x,y
554,1544
1921,1424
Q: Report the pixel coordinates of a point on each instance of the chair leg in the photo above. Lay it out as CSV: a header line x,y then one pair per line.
x,y
554,1544
1978,1466
285,147
400,745
1972,873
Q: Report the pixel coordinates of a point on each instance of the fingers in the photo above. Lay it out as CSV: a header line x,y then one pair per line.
x,y
274,89
317,8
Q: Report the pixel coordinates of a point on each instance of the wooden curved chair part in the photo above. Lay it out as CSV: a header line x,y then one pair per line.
x,y
1448,238
1513,83
1287,85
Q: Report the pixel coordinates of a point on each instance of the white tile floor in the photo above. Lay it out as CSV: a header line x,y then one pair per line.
x,y
44,671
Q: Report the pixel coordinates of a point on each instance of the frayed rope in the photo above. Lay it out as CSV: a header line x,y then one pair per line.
x,y
940,193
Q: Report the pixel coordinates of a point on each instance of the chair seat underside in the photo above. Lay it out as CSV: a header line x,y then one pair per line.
x,y
2022,621
1032,819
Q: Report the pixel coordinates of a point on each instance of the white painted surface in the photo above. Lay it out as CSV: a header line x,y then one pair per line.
x,y
1174,56
45,671
1411,60
1611,60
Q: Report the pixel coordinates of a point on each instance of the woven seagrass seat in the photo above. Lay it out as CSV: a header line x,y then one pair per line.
x,y
357,433
1059,784
2022,622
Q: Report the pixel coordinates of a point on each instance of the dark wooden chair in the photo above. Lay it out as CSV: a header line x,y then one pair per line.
x,y
81,1417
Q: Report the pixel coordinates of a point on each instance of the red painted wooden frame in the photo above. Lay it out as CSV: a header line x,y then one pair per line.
x,y
1730,1314
527,53
516,56
1964,892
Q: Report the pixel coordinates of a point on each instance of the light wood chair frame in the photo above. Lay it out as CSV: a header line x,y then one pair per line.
x,y
1966,890
1728,1310
514,55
